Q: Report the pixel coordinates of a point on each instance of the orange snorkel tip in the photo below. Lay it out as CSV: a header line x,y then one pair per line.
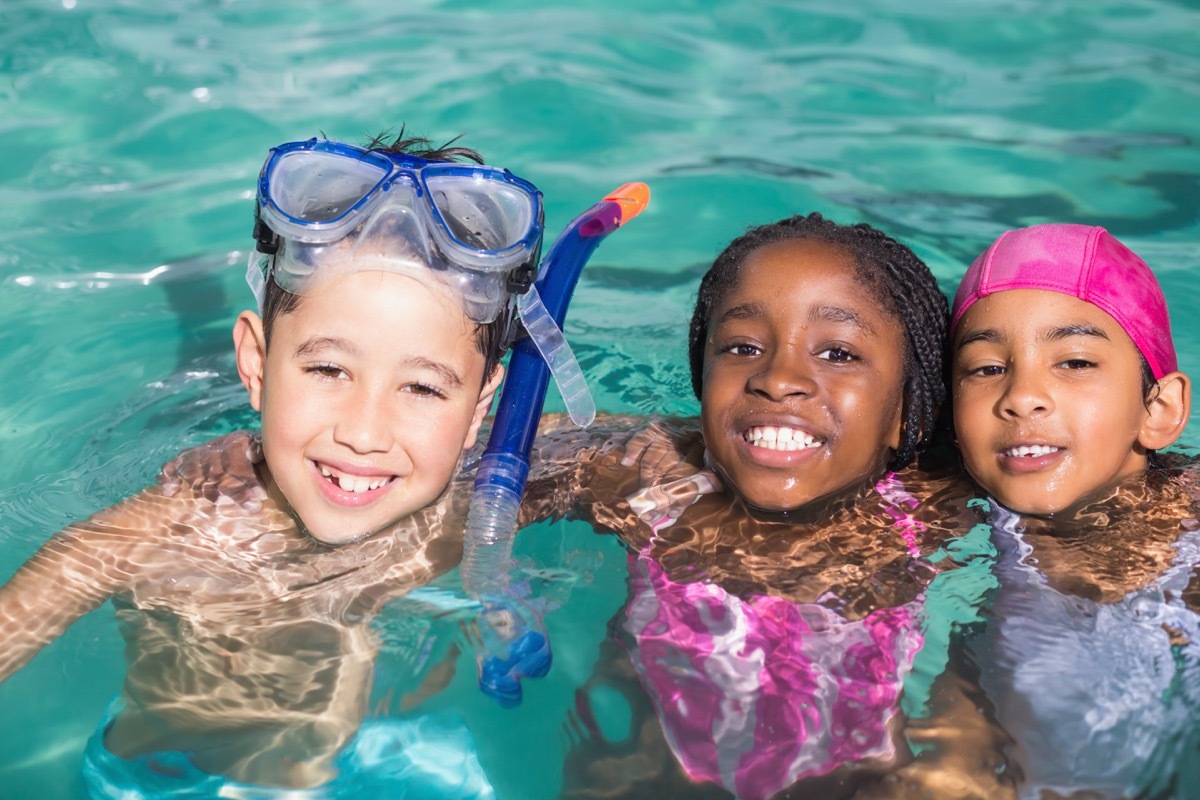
x,y
632,199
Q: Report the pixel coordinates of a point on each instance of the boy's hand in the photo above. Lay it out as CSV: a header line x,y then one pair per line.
x,y
670,480
221,471
662,451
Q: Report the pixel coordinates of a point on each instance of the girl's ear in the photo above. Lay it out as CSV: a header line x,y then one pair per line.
x,y
486,395
1167,411
251,347
897,431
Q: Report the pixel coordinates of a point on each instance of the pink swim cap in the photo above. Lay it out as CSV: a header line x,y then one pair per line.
x,y
1084,262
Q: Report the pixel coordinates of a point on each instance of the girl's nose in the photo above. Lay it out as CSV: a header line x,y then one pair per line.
x,y
1026,394
784,373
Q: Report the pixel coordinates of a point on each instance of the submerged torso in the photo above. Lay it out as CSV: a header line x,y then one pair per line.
x,y
249,644
1092,659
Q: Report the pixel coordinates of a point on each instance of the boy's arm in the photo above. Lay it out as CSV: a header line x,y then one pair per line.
x,y
585,473
73,573
563,456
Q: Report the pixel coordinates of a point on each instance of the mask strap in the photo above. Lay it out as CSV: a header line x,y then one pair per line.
x,y
256,277
559,357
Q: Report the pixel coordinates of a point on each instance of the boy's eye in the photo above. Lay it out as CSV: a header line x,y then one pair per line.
x,y
327,371
838,355
423,390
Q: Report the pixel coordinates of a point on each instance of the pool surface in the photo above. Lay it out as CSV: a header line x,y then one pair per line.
x,y
133,131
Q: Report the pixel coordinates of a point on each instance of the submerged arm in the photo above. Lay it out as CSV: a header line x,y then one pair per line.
x,y
74,572
584,474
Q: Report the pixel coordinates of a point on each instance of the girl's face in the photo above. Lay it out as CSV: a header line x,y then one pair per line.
x,y
803,377
1048,403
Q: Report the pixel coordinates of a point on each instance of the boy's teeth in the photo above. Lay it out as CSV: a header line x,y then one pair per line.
x,y
1031,450
353,483
781,438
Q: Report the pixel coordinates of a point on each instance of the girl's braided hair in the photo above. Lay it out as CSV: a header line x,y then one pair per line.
x,y
899,281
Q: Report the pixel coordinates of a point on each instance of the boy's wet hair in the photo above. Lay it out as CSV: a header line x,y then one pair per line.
x,y
489,337
899,281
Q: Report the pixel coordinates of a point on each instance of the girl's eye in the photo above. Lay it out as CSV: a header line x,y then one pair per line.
x,y
1077,363
327,371
986,371
742,349
423,390
838,355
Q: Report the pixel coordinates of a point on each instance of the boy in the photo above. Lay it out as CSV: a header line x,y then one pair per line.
x,y
385,280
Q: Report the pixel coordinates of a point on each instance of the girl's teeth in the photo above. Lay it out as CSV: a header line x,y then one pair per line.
x,y
781,438
1031,450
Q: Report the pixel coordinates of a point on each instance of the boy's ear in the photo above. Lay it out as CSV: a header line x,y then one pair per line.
x,y
486,395
251,347
1167,412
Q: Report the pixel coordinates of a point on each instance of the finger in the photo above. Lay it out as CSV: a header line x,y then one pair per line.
x,y
169,486
638,443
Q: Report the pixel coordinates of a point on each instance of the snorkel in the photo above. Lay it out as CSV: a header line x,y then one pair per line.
x,y
514,644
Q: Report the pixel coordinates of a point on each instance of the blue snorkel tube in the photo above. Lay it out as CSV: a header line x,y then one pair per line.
x,y
513,643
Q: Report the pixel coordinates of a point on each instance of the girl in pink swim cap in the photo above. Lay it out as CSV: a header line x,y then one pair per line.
x,y
775,624
1064,376
1065,383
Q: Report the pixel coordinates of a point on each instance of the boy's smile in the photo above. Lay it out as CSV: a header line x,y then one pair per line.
x,y
802,387
1048,399
369,390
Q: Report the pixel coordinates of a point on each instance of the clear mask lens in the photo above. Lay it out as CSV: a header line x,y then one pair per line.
x,y
480,213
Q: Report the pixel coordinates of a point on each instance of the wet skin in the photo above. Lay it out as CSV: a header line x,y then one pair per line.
x,y
802,383
1048,404
249,644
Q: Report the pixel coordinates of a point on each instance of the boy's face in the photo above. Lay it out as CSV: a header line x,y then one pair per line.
x,y
803,371
1048,401
369,392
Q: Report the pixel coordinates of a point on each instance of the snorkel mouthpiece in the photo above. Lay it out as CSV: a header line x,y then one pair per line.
x,y
522,649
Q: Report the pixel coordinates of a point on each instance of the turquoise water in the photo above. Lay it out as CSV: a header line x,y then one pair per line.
x,y
133,131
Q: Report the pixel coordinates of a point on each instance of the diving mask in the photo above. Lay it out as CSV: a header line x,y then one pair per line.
x,y
325,207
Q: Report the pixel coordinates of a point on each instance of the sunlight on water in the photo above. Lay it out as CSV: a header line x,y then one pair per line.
x,y
134,131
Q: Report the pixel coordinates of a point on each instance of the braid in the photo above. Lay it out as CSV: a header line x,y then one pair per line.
x,y
900,282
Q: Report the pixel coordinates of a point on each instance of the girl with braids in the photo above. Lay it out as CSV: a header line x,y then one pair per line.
x,y
773,625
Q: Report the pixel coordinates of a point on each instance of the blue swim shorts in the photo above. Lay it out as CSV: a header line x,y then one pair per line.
x,y
432,757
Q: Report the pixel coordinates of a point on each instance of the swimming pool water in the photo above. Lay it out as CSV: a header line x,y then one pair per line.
x,y
132,132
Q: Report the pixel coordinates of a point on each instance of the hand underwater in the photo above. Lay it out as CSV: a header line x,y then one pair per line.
x,y
221,471
669,480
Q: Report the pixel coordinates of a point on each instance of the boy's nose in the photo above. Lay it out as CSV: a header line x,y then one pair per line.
x,y
784,373
364,424
1025,395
